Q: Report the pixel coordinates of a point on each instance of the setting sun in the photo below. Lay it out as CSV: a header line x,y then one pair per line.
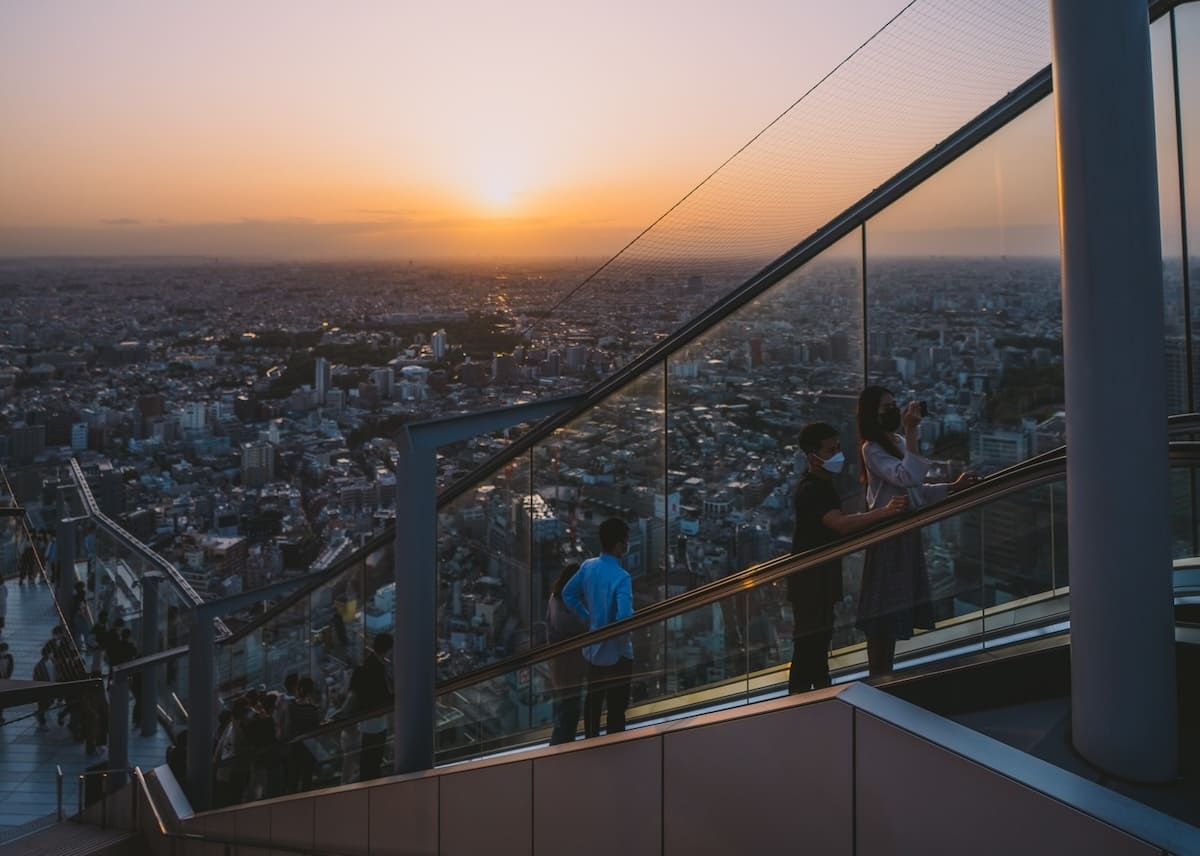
x,y
499,194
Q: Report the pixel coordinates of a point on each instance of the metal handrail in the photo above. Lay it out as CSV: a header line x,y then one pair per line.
x,y
151,660
1041,469
1182,423
1013,480
135,545
204,838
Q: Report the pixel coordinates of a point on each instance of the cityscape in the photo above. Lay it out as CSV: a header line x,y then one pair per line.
x,y
241,420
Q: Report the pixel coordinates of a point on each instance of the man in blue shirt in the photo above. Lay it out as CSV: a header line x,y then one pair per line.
x,y
602,593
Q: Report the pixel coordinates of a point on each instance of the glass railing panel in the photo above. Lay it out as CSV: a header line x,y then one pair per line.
x,y
1022,550
963,303
118,571
860,126
702,658
377,591
737,399
610,462
707,652
337,636
485,610
285,645
1187,52
242,663
1185,539
456,460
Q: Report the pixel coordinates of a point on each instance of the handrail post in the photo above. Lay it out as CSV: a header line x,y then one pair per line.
x,y
415,571
1123,692
147,683
64,589
118,720
201,716
58,788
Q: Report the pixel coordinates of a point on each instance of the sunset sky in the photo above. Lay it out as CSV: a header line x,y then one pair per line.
x,y
385,128
532,127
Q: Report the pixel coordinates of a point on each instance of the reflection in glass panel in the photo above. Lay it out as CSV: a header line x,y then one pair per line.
x,y
963,301
737,399
608,463
1168,196
484,606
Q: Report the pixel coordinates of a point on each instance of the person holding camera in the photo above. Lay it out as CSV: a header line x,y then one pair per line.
x,y
895,597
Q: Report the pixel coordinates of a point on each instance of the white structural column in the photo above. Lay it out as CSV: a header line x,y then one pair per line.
x,y
1123,713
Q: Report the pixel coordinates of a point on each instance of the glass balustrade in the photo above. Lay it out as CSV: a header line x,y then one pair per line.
x,y
949,295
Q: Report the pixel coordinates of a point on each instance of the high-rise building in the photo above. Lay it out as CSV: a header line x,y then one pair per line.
x,y
258,464
324,374
79,436
437,342
384,380
504,368
194,416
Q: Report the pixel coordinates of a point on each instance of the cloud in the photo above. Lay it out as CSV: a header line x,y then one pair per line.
x,y
122,221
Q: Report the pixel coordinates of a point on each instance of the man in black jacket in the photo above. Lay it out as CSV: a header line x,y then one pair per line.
x,y
371,684
820,520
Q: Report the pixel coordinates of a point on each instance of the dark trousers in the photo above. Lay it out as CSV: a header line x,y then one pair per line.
x,y
567,704
607,684
370,759
810,662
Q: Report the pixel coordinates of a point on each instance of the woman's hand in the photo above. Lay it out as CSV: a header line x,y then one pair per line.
x,y
911,416
970,478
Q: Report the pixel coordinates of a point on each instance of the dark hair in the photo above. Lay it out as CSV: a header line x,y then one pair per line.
x,y
289,683
383,643
568,571
613,531
814,434
869,429
305,688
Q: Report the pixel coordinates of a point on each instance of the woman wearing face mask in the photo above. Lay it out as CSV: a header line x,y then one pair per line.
x,y
819,520
895,597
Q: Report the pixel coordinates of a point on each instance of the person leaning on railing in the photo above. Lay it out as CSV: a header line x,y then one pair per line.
x,y
820,520
602,593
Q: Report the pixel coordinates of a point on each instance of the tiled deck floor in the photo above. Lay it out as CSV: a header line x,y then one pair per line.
x,y
28,757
